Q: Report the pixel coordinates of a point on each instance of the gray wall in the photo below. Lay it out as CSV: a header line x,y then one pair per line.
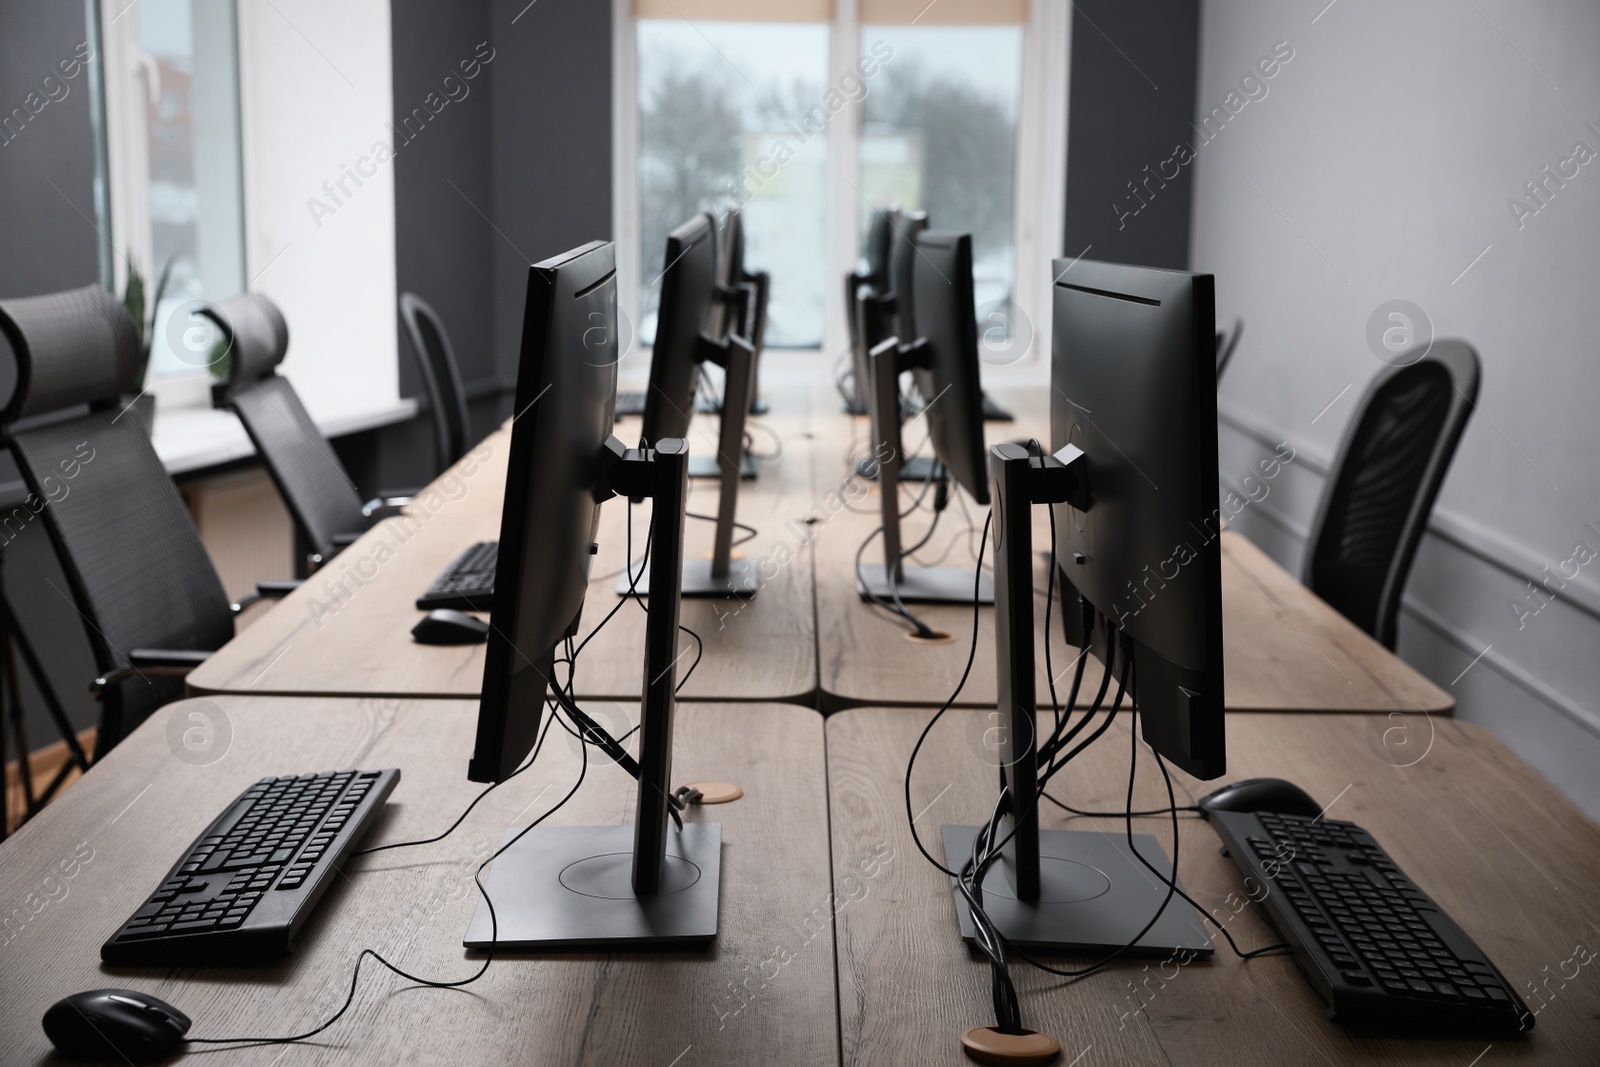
x,y
1379,167
552,146
442,245
48,245
1131,100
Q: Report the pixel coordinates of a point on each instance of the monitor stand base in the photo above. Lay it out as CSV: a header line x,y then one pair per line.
x,y
571,888
741,580
1095,896
925,585
711,467
915,469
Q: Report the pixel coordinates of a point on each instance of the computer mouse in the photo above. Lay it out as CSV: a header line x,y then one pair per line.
x,y
1261,794
444,626
121,1025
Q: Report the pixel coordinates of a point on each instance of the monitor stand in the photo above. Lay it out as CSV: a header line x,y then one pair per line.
x,y
923,585
1054,889
721,575
561,887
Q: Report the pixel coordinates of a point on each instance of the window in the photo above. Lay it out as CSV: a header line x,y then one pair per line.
x,y
939,134
726,116
963,114
172,135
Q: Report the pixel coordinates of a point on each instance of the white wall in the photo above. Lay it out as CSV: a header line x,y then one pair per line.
x,y
1378,166
317,95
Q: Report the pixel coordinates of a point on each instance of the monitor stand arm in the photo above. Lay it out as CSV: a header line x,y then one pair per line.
x,y
598,887
662,475
914,584
1053,889
725,353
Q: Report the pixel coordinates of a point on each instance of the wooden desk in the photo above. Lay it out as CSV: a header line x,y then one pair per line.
x,y
1495,844
123,824
346,632
1285,649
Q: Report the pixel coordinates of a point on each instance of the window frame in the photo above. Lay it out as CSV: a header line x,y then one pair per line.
x,y
125,84
1039,197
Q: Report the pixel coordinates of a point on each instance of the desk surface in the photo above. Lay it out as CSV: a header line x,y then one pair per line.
x,y
124,822
1285,649
1506,855
346,632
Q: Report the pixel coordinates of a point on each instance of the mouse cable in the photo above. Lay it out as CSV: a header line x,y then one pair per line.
x,y
355,974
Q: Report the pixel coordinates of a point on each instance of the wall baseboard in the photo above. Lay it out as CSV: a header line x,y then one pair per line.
x,y
1466,534
1439,527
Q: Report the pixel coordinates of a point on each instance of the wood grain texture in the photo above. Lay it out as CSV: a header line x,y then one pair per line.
x,y
1285,649
1495,844
741,1002
347,631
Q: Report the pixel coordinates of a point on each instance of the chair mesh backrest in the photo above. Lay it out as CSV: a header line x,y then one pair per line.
x,y
1391,465
441,377
138,571
308,474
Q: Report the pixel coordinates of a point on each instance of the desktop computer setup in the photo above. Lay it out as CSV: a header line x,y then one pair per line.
x,y
242,891
1133,482
682,346
1133,408
711,310
940,346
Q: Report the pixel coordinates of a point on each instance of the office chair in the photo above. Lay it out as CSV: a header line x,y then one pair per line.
x,y
1390,467
441,377
328,512
152,604
1226,343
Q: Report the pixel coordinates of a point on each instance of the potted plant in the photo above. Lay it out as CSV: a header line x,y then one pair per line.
x,y
144,319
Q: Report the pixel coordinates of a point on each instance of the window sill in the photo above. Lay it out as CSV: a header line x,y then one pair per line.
x,y
191,438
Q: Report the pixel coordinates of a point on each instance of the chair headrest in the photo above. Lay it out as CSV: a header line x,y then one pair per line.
x,y
74,347
255,332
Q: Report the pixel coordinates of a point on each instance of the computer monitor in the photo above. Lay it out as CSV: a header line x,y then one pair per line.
x,y
688,289
875,251
1134,487
869,307
944,350
583,886
740,306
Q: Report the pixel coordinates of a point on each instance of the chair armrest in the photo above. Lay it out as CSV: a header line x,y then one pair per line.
x,y
383,507
165,662
273,589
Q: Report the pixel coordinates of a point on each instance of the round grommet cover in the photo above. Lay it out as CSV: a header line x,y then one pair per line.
x,y
987,1045
716,792
939,638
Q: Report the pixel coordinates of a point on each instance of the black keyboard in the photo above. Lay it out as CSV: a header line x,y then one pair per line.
x,y
466,583
1379,952
629,404
245,887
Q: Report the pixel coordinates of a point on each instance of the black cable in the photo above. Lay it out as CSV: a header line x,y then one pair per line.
x,y
972,652
463,816
355,974
749,531
749,439
922,629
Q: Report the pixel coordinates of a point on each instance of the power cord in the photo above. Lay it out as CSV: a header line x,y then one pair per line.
x,y
494,926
